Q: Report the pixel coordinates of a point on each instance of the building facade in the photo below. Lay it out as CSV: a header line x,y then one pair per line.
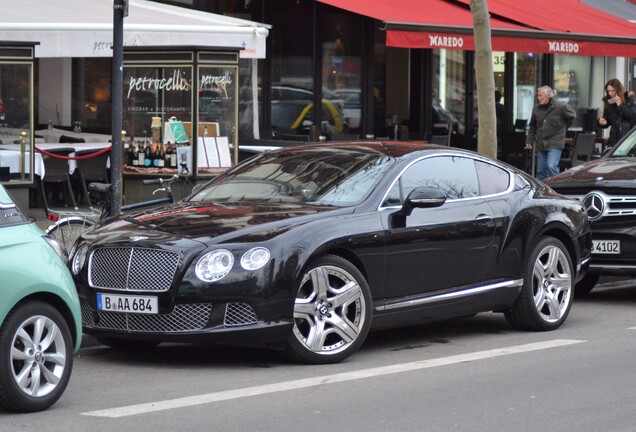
x,y
333,57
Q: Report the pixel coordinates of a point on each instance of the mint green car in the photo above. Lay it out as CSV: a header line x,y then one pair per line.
x,y
40,321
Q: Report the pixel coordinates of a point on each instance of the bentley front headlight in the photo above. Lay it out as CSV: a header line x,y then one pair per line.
x,y
214,265
255,258
78,258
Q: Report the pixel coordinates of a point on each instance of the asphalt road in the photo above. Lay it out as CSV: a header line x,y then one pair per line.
x,y
473,374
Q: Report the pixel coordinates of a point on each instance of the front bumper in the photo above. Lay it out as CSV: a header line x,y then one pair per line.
x,y
234,323
623,263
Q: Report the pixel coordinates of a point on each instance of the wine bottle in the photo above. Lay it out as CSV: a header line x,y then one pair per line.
x,y
161,156
168,157
129,152
135,155
155,155
148,155
173,156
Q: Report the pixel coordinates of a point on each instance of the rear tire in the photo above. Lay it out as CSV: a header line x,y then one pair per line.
x,y
36,357
586,285
548,288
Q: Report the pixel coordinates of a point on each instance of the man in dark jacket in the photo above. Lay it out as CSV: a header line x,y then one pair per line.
x,y
548,124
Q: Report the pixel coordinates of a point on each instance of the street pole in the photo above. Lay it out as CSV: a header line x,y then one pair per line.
x,y
116,153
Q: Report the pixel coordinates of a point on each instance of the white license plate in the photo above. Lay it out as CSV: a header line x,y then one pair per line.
x,y
125,303
606,247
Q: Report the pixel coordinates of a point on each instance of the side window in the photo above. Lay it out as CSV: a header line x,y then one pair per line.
x,y
453,175
492,179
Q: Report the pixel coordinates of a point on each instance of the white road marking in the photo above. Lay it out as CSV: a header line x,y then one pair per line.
x,y
631,328
323,380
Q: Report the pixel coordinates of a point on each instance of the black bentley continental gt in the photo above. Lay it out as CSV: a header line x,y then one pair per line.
x,y
308,248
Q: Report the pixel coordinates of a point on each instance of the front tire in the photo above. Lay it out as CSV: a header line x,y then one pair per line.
x,y
332,312
36,357
548,288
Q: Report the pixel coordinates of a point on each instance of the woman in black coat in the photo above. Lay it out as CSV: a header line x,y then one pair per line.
x,y
616,112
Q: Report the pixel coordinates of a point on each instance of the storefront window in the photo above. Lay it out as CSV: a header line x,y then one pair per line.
x,y
572,75
217,95
525,85
341,72
16,123
380,51
499,70
96,104
449,92
153,98
292,69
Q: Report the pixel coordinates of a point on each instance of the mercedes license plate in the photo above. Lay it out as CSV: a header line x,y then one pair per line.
x,y
606,247
126,303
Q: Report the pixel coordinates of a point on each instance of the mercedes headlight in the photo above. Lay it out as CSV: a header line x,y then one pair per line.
x,y
215,265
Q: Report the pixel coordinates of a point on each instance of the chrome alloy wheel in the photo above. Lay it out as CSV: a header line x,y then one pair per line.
x,y
38,356
330,311
552,283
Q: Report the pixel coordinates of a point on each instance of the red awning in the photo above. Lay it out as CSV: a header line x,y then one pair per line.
x,y
520,26
430,12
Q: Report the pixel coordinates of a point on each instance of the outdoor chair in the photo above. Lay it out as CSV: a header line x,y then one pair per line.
x,y
513,151
583,146
91,169
55,185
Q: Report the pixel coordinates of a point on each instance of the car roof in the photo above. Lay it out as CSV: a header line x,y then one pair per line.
x,y
388,148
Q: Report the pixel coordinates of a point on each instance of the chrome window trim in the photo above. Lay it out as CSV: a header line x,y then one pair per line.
x,y
451,295
511,184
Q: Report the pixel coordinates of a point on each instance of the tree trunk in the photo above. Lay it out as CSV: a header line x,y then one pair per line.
x,y
487,121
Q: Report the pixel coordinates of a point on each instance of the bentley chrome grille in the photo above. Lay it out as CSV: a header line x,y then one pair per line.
x,y
184,318
238,314
132,269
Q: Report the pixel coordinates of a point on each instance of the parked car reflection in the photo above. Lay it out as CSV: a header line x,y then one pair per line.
x,y
351,106
296,116
308,248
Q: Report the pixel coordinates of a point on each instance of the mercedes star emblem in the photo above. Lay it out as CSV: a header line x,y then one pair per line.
x,y
594,205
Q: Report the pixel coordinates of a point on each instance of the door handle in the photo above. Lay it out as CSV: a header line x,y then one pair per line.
x,y
483,218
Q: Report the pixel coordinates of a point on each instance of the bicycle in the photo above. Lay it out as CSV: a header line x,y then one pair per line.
x,y
69,225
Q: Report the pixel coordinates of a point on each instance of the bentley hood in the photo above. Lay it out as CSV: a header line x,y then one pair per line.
x,y
203,221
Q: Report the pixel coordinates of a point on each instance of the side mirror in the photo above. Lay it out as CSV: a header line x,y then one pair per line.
x,y
423,197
